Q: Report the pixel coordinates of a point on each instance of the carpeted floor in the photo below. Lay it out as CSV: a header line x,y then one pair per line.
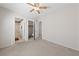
x,y
37,48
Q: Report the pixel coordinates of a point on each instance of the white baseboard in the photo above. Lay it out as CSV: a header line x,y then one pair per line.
x,y
63,45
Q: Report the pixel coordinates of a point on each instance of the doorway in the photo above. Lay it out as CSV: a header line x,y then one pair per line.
x,y
27,30
34,30
30,30
19,30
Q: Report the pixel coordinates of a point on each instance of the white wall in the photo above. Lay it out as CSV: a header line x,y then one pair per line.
x,y
7,27
60,25
77,26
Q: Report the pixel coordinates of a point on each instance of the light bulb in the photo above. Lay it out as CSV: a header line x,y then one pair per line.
x,y
36,8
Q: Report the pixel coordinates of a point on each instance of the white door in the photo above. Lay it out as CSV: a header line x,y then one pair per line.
x,y
38,32
24,29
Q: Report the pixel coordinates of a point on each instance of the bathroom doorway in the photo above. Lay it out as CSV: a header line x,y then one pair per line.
x,y
19,30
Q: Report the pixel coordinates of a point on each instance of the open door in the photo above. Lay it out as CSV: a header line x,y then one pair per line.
x,y
38,29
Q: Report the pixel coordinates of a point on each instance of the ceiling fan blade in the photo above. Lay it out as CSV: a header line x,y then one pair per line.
x,y
43,7
35,4
30,4
31,10
38,11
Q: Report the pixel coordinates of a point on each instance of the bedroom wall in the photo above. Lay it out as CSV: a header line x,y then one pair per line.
x,y
77,26
59,25
7,27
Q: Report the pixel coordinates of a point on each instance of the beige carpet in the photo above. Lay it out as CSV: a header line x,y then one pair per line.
x,y
37,48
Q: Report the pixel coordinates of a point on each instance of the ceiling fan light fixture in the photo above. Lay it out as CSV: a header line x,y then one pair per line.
x,y
37,7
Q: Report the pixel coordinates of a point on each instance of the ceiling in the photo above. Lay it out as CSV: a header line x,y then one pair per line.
x,y
20,8
23,8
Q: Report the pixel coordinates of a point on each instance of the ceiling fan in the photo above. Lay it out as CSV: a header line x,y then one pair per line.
x,y
37,7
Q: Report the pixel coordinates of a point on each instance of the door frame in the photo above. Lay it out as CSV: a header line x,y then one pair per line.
x,y
25,28
33,27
